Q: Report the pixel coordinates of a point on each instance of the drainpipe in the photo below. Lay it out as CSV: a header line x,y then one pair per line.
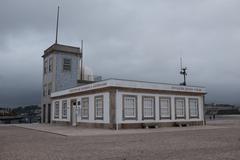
x,y
116,114
204,117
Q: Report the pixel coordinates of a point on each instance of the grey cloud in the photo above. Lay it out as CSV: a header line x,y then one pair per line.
x,y
135,39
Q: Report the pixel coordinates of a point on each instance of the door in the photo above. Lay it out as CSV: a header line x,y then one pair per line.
x,y
49,113
73,112
44,113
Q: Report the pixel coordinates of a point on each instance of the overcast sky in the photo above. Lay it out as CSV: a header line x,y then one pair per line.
x,y
129,39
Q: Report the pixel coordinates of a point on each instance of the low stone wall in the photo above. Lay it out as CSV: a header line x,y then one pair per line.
x,y
62,123
95,125
141,125
133,125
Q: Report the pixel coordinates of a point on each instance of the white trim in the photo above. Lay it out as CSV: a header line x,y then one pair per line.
x,y
116,110
129,84
157,96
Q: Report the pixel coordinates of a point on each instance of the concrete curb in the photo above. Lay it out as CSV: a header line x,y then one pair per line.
x,y
39,130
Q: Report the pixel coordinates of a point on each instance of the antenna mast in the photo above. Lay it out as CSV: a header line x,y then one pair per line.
x,y
183,71
81,76
56,40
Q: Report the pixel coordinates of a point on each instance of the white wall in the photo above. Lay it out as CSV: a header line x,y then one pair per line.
x,y
60,110
91,108
119,108
119,96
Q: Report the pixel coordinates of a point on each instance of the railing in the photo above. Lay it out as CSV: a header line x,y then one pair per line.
x,y
91,78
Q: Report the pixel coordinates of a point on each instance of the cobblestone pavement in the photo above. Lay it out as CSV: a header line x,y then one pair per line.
x,y
209,144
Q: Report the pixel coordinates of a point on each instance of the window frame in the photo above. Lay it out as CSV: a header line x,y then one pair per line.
x,y
195,116
82,102
44,91
50,64
70,64
154,110
64,116
49,88
170,108
136,108
184,107
45,66
95,108
56,116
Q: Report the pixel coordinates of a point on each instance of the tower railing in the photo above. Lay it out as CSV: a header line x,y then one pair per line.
x,y
91,78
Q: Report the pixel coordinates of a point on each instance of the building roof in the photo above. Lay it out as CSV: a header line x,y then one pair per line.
x,y
121,83
62,48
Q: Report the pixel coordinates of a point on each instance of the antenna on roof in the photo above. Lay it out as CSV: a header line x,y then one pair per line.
x,y
81,76
183,71
56,40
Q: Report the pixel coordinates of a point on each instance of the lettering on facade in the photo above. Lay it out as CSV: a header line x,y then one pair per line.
x,y
84,88
188,89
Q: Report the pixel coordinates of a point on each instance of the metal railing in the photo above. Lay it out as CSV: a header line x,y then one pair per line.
x,y
92,78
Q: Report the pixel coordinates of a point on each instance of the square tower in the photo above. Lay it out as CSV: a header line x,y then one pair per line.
x,y
60,71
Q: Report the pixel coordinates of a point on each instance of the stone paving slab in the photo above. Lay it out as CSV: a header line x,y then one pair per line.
x,y
204,144
77,131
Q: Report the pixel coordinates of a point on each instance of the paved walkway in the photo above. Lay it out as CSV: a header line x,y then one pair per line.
x,y
77,131
187,143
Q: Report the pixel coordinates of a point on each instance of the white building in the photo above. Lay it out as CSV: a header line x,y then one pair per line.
x,y
72,95
116,103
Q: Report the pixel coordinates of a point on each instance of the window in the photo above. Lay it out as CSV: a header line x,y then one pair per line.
x,y
50,64
85,108
49,88
165,108
98,103
64,109
66,64
193,108
180,107
148,106
56,110
129,107
44,90
45,67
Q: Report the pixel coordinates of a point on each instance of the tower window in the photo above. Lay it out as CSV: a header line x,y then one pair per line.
x,y
49,88
45,67
50,65
66,64
44,90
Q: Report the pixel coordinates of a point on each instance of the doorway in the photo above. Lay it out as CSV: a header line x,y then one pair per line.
x,y
44,114
49,113
73,111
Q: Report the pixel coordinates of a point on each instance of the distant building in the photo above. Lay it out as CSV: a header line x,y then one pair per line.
x,y
212,108
5,111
